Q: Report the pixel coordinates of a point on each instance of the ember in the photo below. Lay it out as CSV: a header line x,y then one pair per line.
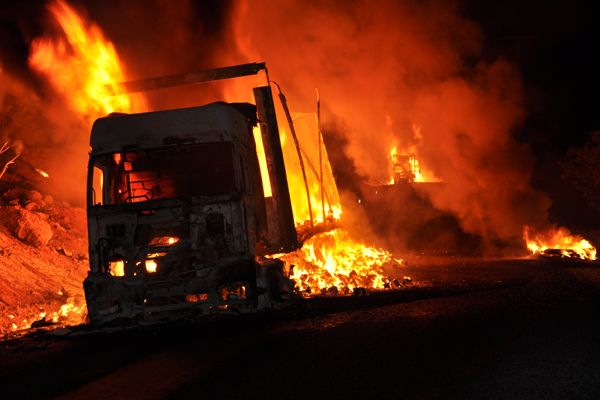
x,y
559,242
42,173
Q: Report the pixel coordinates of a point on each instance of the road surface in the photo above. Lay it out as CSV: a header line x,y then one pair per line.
x,y
467,329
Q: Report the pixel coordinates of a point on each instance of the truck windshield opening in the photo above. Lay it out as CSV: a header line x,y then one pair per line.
x,y
178,172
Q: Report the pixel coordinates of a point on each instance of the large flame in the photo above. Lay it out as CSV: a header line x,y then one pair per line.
x,y
81,64
333,262
559,242
325,207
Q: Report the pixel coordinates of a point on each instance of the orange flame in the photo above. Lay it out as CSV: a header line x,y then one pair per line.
x,y
81,65
334,261
71,312
561,243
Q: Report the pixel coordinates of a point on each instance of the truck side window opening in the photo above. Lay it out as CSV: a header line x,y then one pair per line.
x,y
97,186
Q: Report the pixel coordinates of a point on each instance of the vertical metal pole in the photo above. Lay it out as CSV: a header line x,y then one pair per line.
x,y
319,141
285,233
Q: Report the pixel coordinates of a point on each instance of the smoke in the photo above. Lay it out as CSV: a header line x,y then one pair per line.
x,y
156,38
411,74
50,139
384,68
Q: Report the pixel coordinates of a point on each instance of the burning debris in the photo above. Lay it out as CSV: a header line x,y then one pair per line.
x,y
334,263
405,168
559,243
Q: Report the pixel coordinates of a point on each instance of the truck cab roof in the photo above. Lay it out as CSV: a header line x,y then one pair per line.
x,y
215,122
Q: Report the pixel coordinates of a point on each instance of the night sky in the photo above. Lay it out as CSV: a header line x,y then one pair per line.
x,y
555,45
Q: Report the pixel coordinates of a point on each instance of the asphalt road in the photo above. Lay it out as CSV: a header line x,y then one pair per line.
x,y
468,329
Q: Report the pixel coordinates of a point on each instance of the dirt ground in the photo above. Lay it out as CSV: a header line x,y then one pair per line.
x,y
43,261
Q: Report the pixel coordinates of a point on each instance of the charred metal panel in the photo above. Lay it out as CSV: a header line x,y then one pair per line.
x,y
214,122
203,234
282,231
206,75
230,285
208,260
217,232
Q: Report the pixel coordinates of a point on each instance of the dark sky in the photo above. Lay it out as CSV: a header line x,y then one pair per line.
x,y
556,45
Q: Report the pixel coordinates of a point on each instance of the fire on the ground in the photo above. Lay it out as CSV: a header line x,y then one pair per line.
x,y
559,243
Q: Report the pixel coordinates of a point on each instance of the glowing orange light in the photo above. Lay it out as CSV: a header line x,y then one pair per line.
x,y
116,268
164,241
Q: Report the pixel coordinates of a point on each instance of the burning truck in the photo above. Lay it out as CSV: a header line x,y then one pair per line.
x,y
177,218
198,210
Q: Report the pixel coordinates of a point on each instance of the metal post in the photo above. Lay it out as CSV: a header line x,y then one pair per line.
x,y
285,234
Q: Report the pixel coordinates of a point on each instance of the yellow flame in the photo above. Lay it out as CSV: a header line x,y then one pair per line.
x,y
81,64
559,239
116,268
151,266
71,312
307,133
335,260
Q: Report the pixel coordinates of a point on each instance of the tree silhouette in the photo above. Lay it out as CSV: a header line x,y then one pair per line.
x,y
582,169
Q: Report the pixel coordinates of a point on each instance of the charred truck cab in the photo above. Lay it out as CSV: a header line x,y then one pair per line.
x,y
177,213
